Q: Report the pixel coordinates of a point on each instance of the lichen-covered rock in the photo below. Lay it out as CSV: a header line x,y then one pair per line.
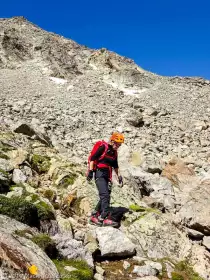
x,y
156,237
113,242
145,270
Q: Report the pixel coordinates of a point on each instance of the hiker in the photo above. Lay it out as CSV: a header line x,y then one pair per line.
x,y
102,160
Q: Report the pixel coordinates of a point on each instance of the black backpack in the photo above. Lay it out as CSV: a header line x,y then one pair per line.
x,y
116,213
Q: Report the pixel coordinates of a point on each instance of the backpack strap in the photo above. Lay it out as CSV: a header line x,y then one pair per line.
x,y
105,150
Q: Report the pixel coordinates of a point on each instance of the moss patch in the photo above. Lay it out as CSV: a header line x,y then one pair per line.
x,y
177,276
46,244
137,208
44,211
49,194
185,269
67,180
19,209
40,163
83,271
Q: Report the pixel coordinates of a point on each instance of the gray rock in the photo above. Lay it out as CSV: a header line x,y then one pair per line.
x,y
169,269
135,119
33,132
113,242
155,265
145,270
5,165
100,270
70,268
18,176
126,265
194,233
200,259
206,242
98,276
156,237
72,249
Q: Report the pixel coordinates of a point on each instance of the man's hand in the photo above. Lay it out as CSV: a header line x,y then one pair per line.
x,y
120,179
90,175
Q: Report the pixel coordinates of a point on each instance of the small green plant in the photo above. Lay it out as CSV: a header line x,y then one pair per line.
x,y
176,276
49,194
137,208
82,272
40,163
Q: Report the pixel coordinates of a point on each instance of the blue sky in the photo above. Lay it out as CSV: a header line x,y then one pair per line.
x,y
166,37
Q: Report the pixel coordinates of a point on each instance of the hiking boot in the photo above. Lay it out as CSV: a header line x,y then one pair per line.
x,y
95,213
95,221
110,223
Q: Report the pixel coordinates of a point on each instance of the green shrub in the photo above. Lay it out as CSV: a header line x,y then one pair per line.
x,y
20,210
44,211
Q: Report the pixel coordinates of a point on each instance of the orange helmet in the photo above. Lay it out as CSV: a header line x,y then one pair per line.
x,y
117,137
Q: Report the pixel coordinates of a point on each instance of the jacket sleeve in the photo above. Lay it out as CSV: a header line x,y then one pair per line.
x,y
98,153
115,164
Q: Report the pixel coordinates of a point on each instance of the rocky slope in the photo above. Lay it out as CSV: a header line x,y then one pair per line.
x,y
57,98
45,202
66,88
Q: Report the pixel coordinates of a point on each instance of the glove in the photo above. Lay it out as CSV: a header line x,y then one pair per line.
x,y
90,175
120,179
110,186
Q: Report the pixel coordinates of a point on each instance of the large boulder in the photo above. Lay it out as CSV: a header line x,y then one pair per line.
x,y
192,196
156,237
18,254
113,242
32,131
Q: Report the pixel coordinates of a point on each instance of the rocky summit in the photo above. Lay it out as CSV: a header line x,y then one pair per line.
x,y
57,98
